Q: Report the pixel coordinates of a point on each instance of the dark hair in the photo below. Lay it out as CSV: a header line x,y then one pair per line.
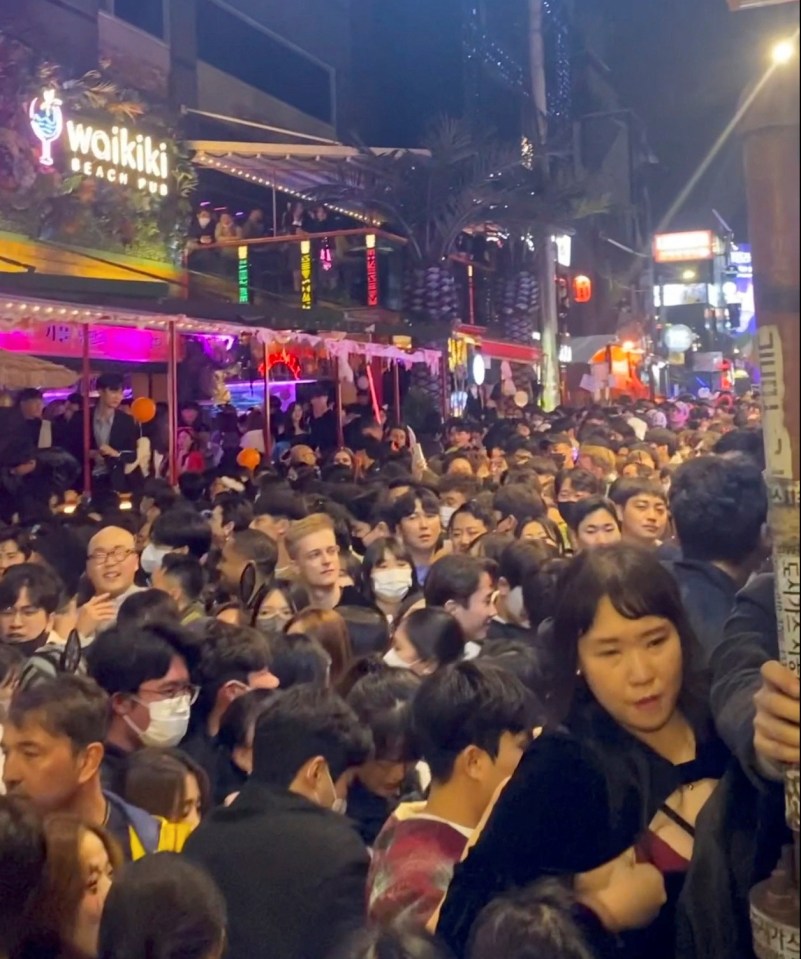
x,y
520,560
235,509
586,507
477,510
393,942
581,481
435,634
455,577
491,545
298,659
62,550
68,705
23,861
528,923
523,660
282,503
227,654
519,502
382,700
161,492
20,538
374,556
187,573
627,487
239,719
152,890
122,658
404,506
637,585
182,528
749,442
301,723
148,606
109,381
455,482
368,628
663,437
29,393
258,549
155,780
330,630
45,590
467,704
294,593
193,486
719,507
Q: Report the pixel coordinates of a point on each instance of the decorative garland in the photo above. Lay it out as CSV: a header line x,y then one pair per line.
x,y
69,208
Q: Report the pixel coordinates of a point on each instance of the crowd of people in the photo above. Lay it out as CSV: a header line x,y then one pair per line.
x,y
510,691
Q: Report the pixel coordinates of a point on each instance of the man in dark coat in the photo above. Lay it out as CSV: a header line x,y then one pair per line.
x,y
292,870
114,436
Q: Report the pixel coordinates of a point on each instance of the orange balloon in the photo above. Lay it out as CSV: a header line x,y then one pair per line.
x,y
248,458
143,409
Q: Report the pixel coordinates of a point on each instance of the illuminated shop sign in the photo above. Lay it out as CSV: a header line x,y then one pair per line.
x,y
684,247
119,155
65,340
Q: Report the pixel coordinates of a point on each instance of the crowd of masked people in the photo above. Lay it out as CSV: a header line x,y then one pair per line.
x,y
514,695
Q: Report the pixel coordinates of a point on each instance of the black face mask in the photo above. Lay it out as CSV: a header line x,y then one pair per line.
x,y
358,545
29,648
567,511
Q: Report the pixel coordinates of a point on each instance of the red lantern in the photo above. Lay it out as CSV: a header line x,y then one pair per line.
x,y
582,289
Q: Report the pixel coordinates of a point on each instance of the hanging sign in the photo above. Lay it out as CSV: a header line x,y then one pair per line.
x,y
305,275
582,289
243,274
372,270
118,155
126,344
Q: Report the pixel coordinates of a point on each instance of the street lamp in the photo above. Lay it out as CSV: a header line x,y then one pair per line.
x,y
783,52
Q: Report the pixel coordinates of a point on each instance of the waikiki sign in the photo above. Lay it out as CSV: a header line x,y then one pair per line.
x,y
119,156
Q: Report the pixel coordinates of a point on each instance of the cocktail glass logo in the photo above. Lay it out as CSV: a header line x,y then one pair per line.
x,y
120,156
47,123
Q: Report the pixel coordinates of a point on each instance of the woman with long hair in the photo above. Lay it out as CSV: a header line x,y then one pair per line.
x,y
609,795
167,783
329,629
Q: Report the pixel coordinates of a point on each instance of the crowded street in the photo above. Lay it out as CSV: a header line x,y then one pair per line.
x,y
393,565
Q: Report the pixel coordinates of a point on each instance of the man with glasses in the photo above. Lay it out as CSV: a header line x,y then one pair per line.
x,y
30,595
14,548
145,672
111,567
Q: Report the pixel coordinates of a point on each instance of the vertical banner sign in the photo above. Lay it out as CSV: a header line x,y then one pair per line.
x,y
243,274
372,270
471,294
305,275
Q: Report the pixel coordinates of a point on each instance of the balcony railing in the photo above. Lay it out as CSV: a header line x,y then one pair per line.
x,y
344,269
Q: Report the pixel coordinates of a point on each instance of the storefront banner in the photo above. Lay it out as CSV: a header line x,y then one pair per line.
x,y
65,340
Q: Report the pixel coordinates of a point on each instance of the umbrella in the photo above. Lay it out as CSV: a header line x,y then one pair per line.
x,y
19,371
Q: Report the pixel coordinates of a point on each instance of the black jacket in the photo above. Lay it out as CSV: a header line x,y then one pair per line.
x,y
293,874
708,596
124,433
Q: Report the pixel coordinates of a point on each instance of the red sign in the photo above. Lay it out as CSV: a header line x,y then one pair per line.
x,y
372,277
105,342
283,358
582,289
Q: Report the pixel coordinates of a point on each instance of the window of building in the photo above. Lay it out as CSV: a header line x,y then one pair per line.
x,y
246,51
147,15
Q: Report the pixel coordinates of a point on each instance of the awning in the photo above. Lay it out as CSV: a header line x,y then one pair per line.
x,y
294,169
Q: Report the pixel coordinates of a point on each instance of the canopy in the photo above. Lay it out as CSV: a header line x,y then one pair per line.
x,y
19,371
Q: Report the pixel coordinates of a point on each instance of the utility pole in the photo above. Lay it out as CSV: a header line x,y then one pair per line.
x,y
770,131
551,395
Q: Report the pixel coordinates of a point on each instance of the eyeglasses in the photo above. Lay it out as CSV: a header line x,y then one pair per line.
x,y
26,612
117,555
185,689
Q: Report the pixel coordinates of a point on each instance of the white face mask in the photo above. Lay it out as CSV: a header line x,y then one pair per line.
x,y
392,584
152,557
392,658
169,721
446,515
515,606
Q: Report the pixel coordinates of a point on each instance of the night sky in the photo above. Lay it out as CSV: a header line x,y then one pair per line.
x,y
682,66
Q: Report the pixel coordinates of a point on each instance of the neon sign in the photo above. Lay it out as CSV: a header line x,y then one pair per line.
x,y
118,156
305,275
283,358
684,247
372,271
243,274
47,123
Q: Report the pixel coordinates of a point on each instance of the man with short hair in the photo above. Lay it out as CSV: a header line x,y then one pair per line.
x,y
273,512
599,461
454,491
281,833
231,514
111,566
665,445
182,578
312,546
472,722
53,746
720,507
30,403
113,434
30,597
463,586
245,548
323,420
642,510
519,562
515,505
181,530
415,520
145,672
